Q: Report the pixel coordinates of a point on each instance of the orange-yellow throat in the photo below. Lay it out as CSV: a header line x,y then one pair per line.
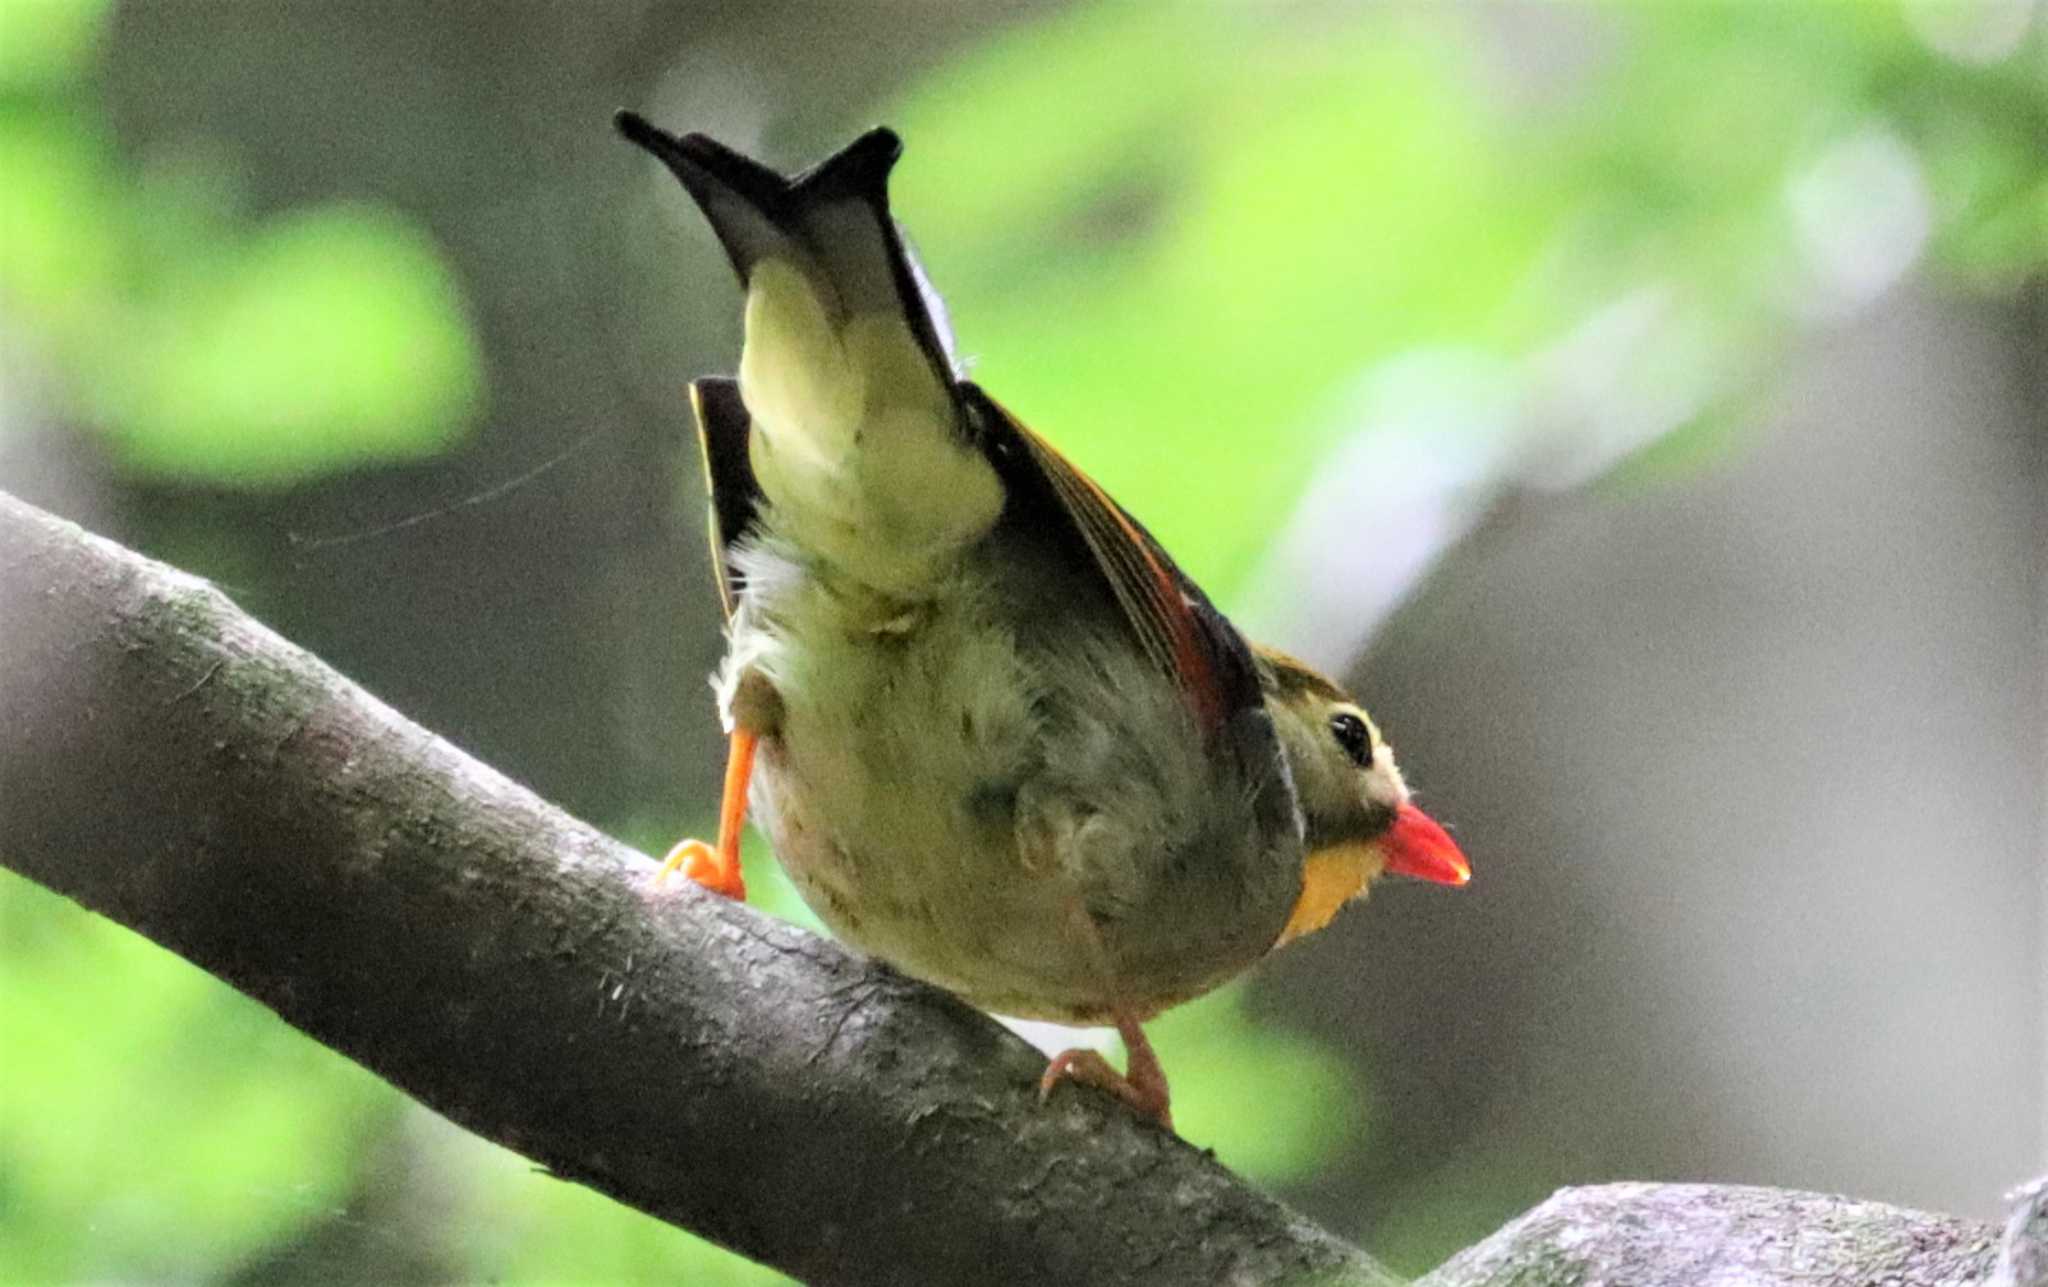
x,y
1331,878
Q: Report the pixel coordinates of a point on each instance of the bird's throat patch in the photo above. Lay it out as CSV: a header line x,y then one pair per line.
x,y
1331,878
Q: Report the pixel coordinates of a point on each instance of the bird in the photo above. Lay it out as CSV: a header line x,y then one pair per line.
x,y
995,736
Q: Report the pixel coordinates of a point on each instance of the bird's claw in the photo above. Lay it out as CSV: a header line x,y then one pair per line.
x,y
704,865
1090,1068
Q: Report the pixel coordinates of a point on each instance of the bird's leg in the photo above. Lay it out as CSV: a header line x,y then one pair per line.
x,y
1144,1072
718,869
1142,1085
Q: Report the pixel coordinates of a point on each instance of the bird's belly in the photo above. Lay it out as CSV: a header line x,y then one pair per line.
x,y
958,908
1038,854
944,903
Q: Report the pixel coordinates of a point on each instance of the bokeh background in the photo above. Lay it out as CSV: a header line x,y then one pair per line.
x,y
1644,405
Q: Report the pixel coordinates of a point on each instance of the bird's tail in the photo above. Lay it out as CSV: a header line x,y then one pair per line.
x,y
860,442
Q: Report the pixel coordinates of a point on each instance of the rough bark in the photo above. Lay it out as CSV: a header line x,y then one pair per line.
x,y
506,965
1685,1235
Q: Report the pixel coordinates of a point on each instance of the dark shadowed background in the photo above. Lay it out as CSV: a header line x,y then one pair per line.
x,y
1645,407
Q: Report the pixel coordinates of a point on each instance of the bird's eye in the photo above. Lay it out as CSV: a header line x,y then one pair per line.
x,y
1352,734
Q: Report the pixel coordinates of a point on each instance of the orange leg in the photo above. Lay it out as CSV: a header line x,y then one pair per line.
x,y
718,870
1143,1086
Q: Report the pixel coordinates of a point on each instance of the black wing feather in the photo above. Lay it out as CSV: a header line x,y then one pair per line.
x,y
722,428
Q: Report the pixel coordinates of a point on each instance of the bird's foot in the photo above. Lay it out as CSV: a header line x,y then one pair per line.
x,y
706,866
1143,1087
717,867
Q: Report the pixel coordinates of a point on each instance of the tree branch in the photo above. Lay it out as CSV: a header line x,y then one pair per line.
x,y
173,765
1684,1235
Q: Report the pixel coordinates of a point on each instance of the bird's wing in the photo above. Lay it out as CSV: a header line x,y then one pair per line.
x,y
1168,615
722,428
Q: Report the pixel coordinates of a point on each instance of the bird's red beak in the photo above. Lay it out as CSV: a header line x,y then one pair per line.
x,y
1416,846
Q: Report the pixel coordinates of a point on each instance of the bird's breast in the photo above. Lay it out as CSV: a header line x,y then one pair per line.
x,y
1023,816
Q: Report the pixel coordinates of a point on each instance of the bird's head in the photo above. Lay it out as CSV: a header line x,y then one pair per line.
x,y
1358,822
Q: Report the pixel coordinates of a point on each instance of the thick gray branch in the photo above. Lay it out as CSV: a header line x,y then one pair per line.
x,y
176,767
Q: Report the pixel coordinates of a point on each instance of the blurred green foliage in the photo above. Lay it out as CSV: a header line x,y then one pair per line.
x,y
48,46
207,1106
325,340
1179,233
207,346
1207,306
1258,204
